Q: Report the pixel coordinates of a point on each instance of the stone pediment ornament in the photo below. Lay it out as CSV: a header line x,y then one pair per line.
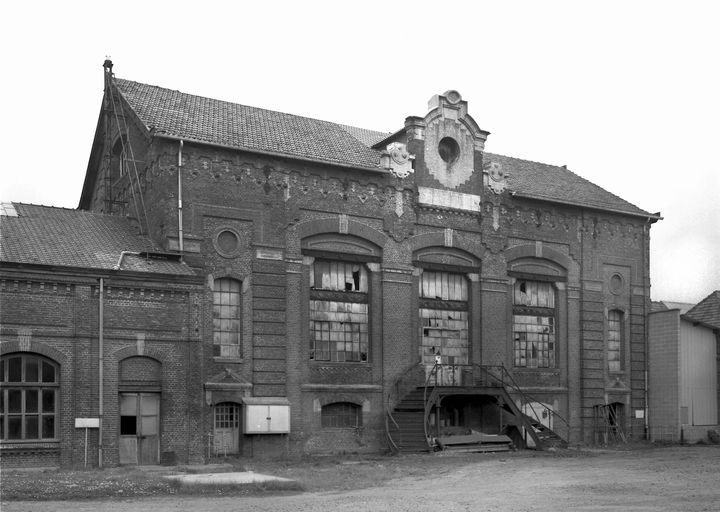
x,y
400,161
227,376
496,177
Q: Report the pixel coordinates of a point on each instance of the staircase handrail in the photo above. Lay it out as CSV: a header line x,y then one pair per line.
x,y
525,398
400,379
388,407
389,417
428,402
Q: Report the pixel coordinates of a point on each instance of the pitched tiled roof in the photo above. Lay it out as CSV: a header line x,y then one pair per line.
x,y
707,311
174,113
177,114
558,184
43,235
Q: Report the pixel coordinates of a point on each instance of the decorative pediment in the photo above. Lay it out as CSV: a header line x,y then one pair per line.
x,y
227,379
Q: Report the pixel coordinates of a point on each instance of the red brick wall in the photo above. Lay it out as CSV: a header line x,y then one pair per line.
x,y
270,202
58,318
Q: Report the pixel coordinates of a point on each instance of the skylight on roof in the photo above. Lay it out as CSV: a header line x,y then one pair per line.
x,y
8,210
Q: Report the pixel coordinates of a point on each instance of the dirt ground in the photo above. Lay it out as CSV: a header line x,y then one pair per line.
x,y
678,478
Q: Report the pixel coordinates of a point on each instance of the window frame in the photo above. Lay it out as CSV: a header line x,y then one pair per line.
x,y
443,314
23,387
544,349
220,333
352,305
620,350
343,418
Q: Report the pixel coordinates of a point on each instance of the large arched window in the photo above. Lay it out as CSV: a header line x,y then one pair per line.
x,y
443,318
338,311
341,415
614,340
534,319
28,398
227,309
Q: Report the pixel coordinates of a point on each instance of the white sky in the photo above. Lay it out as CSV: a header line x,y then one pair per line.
x,y
625,93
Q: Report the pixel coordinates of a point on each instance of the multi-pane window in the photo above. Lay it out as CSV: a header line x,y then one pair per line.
x,y
226,318
338,311
341,415
443,317
28,398
534,324
614,340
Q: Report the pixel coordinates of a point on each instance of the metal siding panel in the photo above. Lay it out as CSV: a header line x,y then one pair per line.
x,y
698,374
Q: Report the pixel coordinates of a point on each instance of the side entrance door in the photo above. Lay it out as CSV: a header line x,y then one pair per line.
x,y
139,428
227,428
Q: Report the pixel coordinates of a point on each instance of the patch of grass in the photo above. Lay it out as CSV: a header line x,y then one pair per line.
x,y
313,474
202,489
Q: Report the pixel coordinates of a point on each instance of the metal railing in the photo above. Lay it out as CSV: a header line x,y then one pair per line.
x,y
474,375
471,376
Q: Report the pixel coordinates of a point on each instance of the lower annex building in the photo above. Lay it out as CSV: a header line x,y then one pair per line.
x,y
273,285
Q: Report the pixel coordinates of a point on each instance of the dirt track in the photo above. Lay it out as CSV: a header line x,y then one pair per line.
x,y
660,479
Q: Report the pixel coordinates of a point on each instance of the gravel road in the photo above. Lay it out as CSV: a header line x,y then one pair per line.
x,y
665,479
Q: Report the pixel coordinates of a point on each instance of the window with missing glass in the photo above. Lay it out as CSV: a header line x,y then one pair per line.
x,y
534,320
443,317
28,397
338,311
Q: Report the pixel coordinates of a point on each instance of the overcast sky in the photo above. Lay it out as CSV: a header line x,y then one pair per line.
x,y
626,94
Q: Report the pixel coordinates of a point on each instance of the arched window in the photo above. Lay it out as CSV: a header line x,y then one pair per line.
x,y
614,340
338,311
534,318
28,398
443,318
341,415
226,318
120,157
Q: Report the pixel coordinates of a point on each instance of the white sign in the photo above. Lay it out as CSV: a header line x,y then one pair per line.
x,y
639,413
87,422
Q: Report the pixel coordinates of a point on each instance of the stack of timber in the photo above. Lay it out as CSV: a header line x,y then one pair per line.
x,y
475,442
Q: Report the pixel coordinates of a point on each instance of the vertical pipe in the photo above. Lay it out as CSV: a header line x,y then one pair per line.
x,y
646,289
180,212
100,373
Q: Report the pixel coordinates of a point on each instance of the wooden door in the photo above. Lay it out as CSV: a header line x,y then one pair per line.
x,y
139,428
227,428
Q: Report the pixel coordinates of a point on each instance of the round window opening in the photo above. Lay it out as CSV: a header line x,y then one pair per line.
x,y
616,284
227,242
449,150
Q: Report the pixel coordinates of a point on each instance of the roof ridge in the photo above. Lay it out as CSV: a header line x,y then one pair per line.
x,y
527,160
566,169
43,205
74,210
251,106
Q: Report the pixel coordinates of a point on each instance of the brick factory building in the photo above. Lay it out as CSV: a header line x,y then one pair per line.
x,y
305,287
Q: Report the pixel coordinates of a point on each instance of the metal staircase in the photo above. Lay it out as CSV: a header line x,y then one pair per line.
x,y
408,415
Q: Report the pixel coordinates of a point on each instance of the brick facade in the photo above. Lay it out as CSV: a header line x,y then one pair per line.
x,y
150,323
263,219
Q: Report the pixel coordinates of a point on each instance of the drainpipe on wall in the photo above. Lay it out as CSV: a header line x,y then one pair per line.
x,y
180,213
100,374
646,281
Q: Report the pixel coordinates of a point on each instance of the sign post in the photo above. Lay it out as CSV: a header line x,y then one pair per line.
x,y
87,423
